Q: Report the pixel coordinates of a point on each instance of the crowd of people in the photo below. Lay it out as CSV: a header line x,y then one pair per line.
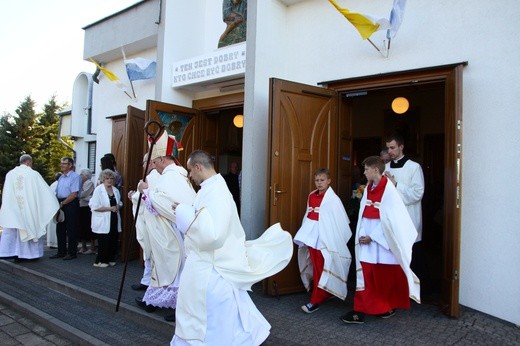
x,y
196,259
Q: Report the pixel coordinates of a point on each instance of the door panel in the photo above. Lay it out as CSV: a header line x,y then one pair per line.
x,y
179,121
303,135
451,76
132,172
452,192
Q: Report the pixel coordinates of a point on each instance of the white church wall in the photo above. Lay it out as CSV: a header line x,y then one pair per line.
x,y
325,46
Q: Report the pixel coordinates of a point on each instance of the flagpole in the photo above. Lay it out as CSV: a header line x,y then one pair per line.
x,y
124,62
379,50
133,91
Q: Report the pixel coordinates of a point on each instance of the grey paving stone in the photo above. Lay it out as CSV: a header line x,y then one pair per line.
x,y
31,339
15,329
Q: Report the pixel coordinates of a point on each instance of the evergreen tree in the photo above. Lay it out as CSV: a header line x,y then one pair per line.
x,y
8,146
26,134
48,154
18,136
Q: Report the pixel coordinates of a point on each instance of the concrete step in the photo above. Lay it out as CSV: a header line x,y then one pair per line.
x,y
78,313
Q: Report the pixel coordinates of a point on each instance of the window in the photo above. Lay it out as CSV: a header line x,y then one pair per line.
x,y
91,162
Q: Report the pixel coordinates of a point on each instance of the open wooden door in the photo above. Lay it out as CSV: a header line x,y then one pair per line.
x,y
178,121
452,191
190,126
132,171
451,77
303,136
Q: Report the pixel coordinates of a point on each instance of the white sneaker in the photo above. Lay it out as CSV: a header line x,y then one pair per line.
x,y
309,308
111,264
100,265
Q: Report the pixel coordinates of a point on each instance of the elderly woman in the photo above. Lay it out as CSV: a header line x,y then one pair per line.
x,y
85,216
106,223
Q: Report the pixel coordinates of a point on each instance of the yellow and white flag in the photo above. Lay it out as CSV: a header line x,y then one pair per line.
x,y
365,25
112,77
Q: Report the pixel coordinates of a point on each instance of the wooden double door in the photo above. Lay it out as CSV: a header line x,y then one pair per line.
x,y
311,127
192,126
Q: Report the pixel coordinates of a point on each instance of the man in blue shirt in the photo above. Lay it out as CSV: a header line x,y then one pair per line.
x,y
67,192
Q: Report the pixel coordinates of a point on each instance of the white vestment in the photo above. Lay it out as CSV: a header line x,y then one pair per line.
x,y
141,232
410,185
213,306
28,206
399,237
333,232
52,239
166,249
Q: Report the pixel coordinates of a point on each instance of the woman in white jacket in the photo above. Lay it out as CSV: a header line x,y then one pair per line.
x,y
106,222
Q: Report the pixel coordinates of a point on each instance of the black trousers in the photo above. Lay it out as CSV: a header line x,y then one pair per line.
x,y
66,230
107,246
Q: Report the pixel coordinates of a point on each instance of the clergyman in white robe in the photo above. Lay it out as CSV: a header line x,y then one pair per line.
x,y
213,306
27,207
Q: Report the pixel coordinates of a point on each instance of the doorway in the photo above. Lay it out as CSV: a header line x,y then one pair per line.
x,y
423,128
228,153
311,127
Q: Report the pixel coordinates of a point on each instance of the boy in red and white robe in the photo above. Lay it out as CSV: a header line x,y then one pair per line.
x,y
323,256
384,238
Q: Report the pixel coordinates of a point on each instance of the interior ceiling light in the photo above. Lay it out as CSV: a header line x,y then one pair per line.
x,y
400,105
238,121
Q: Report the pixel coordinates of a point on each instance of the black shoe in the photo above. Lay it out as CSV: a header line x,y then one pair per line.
x,y
353,317
58,255
69,257
143,305
309,308
170,318
139,287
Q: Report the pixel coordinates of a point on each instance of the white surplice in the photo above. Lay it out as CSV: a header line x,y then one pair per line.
x,y
166,248
52,240
330,235
213,306
399,237
410,186
27,206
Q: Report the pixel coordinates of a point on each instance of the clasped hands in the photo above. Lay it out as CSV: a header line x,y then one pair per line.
x,y
365,240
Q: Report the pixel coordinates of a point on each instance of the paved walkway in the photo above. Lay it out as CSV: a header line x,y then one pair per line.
x,y
423,324
16,329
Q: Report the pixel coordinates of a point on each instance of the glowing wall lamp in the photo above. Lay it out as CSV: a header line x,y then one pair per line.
x,y
238,121
400,105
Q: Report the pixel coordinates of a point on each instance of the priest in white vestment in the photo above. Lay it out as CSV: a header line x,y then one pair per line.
x,y
166,243
213,305
52,240
28,206
408,178
141,232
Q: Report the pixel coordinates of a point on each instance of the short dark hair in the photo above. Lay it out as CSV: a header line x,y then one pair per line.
x,y
374,162
321,171
68,159
111,157
202,158
107,163
395,136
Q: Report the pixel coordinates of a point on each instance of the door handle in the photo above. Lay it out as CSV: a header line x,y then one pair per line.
x,y
276,192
